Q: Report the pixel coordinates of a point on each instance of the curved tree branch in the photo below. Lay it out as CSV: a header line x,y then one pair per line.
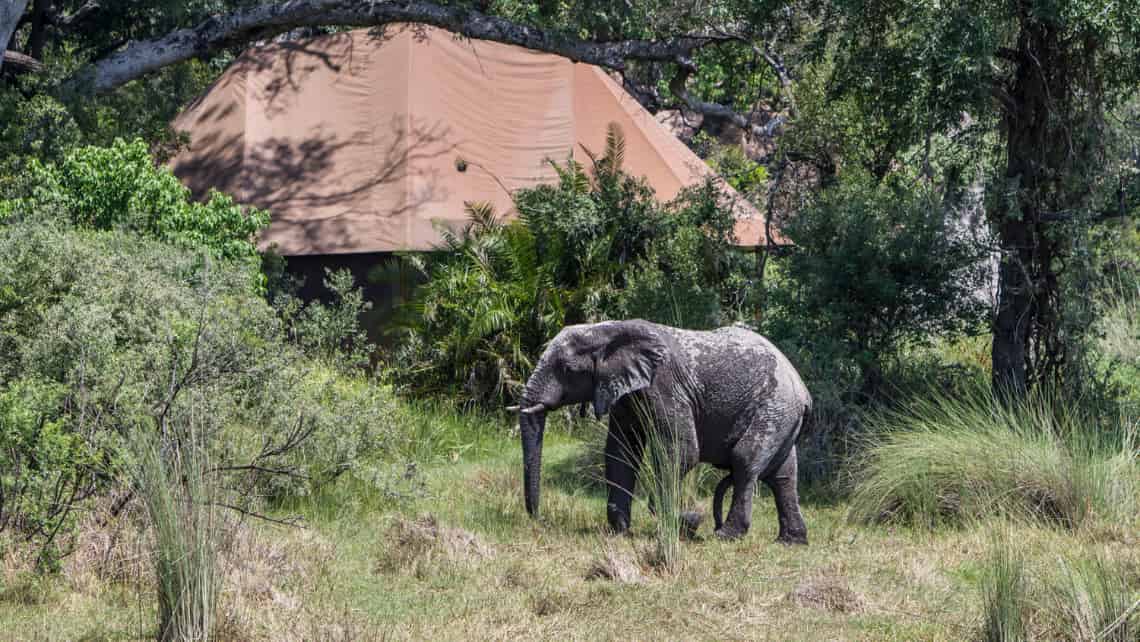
x,y
263,21
677,88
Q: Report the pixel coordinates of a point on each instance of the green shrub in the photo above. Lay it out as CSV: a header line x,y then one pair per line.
x,y
37,127
593,246
331,332
107,333
42,464
120,187
877,266
476,326
948,460
692,275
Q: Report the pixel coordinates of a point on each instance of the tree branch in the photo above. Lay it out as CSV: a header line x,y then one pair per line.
x,y
81,14
1069,215
677,88
19,63
267,20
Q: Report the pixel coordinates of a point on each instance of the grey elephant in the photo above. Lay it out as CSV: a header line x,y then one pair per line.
x,y
726,397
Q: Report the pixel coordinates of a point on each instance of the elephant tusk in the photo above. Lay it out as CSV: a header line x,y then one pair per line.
x,y
526,411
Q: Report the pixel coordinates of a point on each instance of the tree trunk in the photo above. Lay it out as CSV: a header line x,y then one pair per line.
x,y
1011,327
10,13
1026,271
38,35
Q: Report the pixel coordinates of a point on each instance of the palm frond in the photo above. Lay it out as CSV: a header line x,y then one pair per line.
x,y
615,148
481,215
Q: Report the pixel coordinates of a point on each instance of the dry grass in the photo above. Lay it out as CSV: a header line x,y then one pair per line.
x,y
422,543
614,566
467,563
827,593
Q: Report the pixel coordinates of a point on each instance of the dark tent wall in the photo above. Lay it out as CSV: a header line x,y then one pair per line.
x,y
385,279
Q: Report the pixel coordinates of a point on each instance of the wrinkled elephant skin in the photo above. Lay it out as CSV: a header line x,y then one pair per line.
x,y
726,397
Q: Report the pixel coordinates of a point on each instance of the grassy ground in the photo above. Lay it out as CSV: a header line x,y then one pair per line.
x,y
463,561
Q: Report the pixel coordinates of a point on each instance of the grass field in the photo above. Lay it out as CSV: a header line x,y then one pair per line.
x,y
462,560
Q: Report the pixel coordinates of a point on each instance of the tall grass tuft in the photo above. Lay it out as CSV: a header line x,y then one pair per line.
x,y
946,461
1004,604
660,478
172,479
1093,601
662,473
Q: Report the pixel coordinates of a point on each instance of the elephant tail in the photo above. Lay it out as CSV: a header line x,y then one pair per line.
x,y
807,425
718,499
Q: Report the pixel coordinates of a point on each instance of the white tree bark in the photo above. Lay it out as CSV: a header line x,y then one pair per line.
x,y
10,13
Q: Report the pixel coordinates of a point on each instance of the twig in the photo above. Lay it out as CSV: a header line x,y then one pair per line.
x,y
293,522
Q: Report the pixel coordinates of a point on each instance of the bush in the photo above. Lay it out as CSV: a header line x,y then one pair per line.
x,y
591,247
948,460
692,276
877,266
478,322
119,187
331,333
106,333
43,465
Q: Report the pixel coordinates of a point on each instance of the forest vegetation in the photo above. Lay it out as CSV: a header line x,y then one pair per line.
x,y
189,450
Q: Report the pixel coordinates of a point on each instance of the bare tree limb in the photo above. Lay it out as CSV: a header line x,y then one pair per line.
x,y
264,21
677,88
81,14
294,521
19,63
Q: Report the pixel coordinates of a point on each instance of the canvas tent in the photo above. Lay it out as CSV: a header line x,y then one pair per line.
x,y
365,141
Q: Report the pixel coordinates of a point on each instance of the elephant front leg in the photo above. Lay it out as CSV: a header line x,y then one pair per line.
x,y
624,448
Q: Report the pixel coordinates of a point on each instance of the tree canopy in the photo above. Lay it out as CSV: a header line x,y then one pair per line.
x,y
1025,108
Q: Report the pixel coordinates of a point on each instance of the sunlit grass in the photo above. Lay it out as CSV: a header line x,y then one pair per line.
x,y
463,560
943,460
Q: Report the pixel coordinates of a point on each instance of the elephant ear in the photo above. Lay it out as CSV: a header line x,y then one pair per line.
x,y
626,363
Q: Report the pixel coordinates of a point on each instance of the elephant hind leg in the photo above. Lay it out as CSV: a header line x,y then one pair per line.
x,y
783,485
740,511
762,451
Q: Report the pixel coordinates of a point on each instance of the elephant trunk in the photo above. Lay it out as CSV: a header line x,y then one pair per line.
x,y
531,426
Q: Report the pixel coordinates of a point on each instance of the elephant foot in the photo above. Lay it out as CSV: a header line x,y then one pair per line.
x,y
792,539
728,533
618,519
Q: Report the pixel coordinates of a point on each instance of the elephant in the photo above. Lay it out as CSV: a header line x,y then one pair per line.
x,y
725,397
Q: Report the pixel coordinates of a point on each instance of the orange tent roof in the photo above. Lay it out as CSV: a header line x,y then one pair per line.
x,y
355,141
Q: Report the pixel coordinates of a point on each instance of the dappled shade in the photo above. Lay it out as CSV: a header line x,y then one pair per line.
x,y
365,141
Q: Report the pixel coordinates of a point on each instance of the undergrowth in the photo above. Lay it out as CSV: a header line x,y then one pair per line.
x,y
946,461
